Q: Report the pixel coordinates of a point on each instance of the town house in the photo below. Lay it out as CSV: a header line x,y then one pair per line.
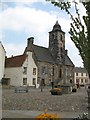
x,y
2,60
81,76
21,70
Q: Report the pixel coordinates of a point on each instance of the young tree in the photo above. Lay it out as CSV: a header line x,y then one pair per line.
x,y
79,32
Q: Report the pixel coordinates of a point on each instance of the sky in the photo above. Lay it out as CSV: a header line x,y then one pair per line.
x,y
21,19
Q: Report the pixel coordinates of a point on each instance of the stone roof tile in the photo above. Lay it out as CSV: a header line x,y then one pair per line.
x,y
16,61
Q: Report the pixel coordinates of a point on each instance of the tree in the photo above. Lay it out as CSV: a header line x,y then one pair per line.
x,y
79,32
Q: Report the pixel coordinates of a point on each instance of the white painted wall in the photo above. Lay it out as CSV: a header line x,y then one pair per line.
x,y
80,77
16,74
2,60
30,65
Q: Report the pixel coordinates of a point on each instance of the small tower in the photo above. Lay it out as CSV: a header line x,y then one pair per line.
x,y
57,43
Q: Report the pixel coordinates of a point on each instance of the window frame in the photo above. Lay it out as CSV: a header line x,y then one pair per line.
x,y
34,71
24,81
24,70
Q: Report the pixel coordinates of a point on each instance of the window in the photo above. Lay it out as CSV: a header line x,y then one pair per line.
x,y
53,36
71,81
76,74
81,80
60,73
34,71
24,81
81,74
61,37
77,80
34,81
85,80
25,70
43,69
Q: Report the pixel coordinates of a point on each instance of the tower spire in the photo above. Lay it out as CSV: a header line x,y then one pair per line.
x,y
57,26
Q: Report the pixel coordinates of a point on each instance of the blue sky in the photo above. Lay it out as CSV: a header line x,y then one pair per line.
x,y
22,19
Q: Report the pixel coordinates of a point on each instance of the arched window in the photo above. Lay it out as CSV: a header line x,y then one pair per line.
x,y
53,36
60,73
61,37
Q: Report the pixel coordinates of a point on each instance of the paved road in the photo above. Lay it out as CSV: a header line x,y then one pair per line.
x,y
29,105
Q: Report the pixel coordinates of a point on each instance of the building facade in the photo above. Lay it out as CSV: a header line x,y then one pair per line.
x,y
54,64
2,60
21,70
80,76
43,65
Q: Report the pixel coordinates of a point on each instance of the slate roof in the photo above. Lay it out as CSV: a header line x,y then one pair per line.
x,y
16,61
57,27
80,70
43,54
68,61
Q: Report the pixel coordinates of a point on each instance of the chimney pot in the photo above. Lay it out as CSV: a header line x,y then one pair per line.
x,y
30,41
66,52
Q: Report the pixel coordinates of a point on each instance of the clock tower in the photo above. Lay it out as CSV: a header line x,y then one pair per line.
x,y
57,44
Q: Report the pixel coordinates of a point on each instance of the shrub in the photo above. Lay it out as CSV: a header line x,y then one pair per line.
x,y
46,116
56,91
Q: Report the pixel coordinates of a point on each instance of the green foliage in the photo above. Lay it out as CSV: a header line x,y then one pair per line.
x,y
84,116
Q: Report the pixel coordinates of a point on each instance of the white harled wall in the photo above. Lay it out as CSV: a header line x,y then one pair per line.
x,y
30,65
16,74
2,60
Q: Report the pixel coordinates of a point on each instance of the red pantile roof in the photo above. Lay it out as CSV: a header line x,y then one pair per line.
x,y
16,61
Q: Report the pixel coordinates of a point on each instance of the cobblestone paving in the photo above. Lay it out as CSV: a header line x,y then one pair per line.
x,y
37,100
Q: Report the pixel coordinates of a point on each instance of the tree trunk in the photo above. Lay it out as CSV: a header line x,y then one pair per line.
x,y
88,37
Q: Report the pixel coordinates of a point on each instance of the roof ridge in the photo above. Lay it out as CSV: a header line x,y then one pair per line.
x,y
40,46
16,56
15,61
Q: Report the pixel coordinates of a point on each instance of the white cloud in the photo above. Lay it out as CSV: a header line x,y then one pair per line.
x,y
0,35
36,23
33,22
30,1
11,49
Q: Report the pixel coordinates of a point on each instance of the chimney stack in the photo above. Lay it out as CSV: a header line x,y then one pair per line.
x,y
66,52
30,41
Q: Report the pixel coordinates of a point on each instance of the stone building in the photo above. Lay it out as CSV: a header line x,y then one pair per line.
x,y
54,64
